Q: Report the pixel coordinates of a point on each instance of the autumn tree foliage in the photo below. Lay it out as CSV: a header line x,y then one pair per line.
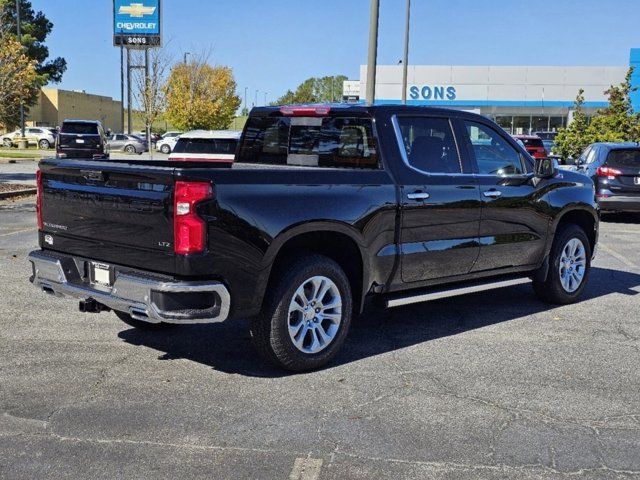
x,y
18,81
201,96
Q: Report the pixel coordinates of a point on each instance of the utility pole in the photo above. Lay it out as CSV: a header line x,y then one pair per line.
x,y
19,35
373,51
405,59
245,99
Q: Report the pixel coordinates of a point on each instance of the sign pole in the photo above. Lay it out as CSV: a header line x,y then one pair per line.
x,y
19,38
128,91
121,87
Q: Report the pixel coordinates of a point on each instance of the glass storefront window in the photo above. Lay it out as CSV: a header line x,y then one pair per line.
x,y
521,125
556,123
506,122
540,124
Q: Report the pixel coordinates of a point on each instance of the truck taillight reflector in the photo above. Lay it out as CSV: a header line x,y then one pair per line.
x,y
39,200
189,230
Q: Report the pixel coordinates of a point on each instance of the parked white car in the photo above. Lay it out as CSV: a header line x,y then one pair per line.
x,y
167,142
40,136
215,146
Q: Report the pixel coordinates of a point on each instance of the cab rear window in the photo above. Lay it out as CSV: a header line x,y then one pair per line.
x,y
329,142
624,158
533,142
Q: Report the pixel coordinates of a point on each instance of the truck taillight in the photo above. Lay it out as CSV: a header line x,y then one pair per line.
x,y
39,200
608,172
189,230
305,111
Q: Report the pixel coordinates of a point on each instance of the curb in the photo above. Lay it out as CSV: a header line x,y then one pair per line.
x,y
18,193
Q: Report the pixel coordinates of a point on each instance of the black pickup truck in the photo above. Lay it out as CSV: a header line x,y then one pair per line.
x,y
324,207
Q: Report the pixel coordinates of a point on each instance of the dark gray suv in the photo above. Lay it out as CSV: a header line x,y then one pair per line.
x,y
615,170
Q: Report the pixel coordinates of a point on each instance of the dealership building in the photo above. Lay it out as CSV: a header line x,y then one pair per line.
x,y
521,99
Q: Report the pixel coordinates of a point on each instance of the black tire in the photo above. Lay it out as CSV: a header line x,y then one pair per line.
x,y
140,324
44,144
551,290
270,329
166,149
130,149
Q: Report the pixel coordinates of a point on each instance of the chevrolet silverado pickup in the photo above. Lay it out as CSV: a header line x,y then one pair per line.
x,y
325,207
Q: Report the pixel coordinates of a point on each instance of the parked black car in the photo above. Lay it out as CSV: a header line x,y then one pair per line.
x,y
82,139
324,207
615,170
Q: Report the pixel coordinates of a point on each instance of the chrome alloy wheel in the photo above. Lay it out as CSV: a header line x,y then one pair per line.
x,y
315,313
573,264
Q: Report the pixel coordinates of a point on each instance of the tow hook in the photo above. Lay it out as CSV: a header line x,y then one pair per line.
x,y
91,306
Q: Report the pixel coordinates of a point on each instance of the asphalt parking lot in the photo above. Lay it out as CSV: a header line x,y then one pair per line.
x,y
492,385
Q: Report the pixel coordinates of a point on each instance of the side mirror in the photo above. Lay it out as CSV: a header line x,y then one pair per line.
x,y
545,167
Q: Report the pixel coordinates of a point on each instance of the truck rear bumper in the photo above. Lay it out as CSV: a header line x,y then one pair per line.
x,y
145,296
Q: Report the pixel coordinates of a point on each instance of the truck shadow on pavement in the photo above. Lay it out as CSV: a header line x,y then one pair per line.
x,y
227,346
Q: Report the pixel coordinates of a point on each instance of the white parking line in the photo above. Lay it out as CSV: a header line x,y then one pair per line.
x,y
306,469
18,231
618,256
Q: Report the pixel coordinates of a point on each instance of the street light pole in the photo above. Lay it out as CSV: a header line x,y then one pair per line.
x,y
245,99
405,59
373,51
19,35
256,102
265,98
185,57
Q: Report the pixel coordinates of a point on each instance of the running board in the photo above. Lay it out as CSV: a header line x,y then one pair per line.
x,y
454,292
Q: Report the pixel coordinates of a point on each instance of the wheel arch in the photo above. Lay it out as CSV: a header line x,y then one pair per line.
x,y
338,241
586,218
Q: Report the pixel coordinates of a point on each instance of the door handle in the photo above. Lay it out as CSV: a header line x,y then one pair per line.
x,y
418,196
492,193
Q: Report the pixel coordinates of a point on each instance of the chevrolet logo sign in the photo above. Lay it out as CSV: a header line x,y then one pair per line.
x,y
136,10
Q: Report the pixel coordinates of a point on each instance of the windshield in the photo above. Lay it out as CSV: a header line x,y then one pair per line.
x,y
220,146
309,141
80,128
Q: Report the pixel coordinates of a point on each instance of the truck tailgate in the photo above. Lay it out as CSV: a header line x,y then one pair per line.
x,y
107,206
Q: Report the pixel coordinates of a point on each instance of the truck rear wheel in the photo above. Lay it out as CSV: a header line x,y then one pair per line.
x,y
569,267
306,314
140,324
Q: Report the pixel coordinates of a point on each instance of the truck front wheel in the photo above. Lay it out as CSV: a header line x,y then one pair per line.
x,y
569,266
306,314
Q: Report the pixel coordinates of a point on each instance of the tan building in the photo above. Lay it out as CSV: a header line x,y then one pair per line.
x,y
56,105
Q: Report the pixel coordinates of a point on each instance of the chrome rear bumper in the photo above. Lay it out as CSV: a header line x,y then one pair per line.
x,y
145,296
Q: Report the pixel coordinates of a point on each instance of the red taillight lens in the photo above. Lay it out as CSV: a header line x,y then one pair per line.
x,y
39,200
608,172
189,230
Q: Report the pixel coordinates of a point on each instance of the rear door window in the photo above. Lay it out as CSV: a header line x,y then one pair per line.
x,y
79,128
309,141
429,144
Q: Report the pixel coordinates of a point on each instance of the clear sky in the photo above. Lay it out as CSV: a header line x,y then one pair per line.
x,y
273,45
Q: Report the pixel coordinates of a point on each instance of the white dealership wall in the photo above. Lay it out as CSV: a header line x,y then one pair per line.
x,y
517,91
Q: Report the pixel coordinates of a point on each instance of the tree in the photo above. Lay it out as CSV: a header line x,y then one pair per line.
x,y
150,95
35,28
573,139
17,81
315,90
617,122
201,96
